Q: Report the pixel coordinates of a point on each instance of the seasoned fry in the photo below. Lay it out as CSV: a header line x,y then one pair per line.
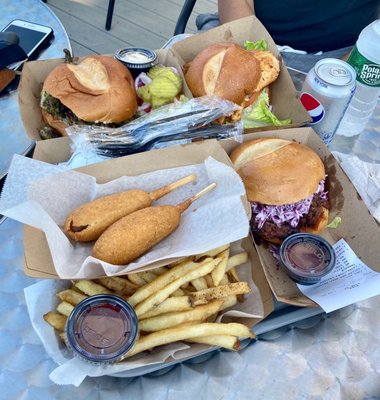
x,y
186,286
71,296
135,278
169,320
206,295
237,259
117,284
178,333
171,304
199,283
152,301
229,302
91,288
178,292
159,270
147,276
234,275
58,321
161,281
209,281
65,308
225,280
226,341
212,252
218,272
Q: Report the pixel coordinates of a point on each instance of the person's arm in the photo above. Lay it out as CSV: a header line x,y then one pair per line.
x,y
229,10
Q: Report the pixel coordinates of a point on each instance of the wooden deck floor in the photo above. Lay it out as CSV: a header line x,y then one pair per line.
x,y
146,23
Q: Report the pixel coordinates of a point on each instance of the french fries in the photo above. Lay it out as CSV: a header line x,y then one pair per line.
x,y
155,299
165,321
188,332
71,296
91,288
161,281
173,303
226,341
219,271
117,284
65,308
56,320
220,292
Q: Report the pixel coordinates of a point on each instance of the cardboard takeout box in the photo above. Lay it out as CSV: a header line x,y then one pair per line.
x,y
38,259
358,228
33,76
284,98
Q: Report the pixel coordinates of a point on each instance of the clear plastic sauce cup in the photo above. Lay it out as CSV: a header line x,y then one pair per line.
x,y
102,328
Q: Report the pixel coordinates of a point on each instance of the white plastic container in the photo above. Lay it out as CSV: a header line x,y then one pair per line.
x,y
365,59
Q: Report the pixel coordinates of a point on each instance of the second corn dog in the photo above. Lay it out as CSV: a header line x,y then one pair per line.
x,y
135,234
89,221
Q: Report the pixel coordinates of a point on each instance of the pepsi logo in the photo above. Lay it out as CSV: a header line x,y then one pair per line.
x,y
313,107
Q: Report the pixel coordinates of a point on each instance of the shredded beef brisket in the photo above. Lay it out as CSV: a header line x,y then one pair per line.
x,y
271,231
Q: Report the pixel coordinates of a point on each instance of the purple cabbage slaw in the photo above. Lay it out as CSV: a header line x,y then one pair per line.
x,y
291,213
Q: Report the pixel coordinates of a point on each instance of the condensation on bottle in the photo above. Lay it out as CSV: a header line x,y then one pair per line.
x,y
365,59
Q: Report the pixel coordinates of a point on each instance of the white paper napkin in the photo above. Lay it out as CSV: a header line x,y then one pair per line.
x,y
365,177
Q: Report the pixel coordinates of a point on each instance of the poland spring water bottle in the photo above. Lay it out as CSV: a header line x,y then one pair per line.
x,y
365,59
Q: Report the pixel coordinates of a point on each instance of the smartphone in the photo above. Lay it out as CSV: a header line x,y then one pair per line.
x,y
32,37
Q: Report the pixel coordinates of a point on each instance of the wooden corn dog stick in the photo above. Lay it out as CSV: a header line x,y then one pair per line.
x,y
186,204
135,234
158,193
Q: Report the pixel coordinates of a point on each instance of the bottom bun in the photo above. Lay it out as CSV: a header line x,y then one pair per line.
x,y
54,122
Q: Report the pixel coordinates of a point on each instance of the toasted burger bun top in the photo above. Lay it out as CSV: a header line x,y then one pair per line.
x,y
230,72
277,171
99,88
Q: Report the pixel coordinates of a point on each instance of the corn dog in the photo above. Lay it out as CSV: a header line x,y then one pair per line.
x,y
89,221
135,234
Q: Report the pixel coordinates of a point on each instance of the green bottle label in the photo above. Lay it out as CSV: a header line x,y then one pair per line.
x,y
367,71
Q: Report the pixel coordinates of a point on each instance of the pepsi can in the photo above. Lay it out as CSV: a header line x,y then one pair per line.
x,y
326,93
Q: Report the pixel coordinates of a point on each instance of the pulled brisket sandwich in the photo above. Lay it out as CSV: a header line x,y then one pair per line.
x,y
231,72
284,182
97,90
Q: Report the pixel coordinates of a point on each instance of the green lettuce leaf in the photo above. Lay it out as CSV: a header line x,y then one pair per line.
x,y
258,114
259,45
335,222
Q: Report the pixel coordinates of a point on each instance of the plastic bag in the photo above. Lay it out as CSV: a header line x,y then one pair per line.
x,y
176,123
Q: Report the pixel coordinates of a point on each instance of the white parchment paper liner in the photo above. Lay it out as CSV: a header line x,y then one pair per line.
x,y
216,218
40,299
